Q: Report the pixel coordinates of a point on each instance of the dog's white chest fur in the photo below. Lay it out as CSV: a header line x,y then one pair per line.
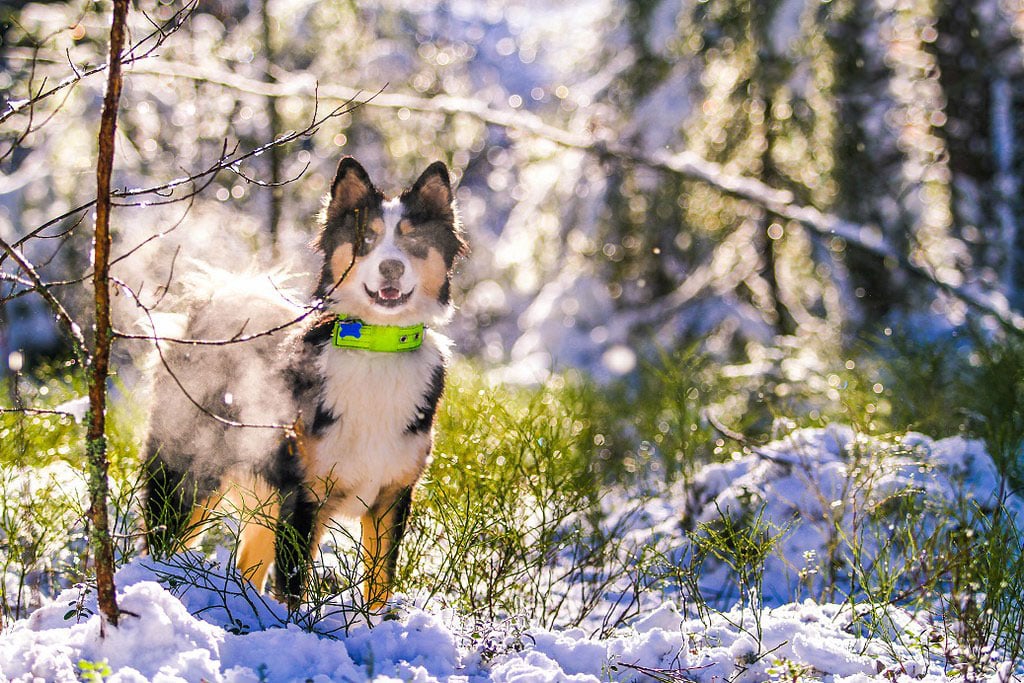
x,y
375,397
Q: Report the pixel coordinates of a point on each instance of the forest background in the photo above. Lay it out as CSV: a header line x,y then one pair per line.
x,y
769,178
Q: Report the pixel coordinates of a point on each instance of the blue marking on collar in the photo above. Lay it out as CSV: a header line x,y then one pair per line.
x,y
350,328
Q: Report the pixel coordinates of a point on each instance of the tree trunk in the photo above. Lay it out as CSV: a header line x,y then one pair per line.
x,y
276,192
96,438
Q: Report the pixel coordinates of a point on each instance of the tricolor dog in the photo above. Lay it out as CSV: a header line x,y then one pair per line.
x,y
358,380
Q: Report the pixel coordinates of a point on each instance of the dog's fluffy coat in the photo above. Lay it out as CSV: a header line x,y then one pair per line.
x,y
362,420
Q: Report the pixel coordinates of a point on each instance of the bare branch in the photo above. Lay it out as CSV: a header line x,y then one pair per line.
x,y
163,233
130,56
36,232
261,183
228,161
79,280
225,162
81,350
238,338
35,411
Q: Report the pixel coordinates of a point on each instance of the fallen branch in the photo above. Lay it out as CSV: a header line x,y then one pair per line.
x,y
683,164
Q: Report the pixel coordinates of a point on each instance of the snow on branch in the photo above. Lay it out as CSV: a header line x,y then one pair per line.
x,y
783,204
683,164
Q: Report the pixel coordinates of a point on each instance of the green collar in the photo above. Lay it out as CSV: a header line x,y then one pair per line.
x,y
351,333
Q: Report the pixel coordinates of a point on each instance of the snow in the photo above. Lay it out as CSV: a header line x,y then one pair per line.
x,y
836,497
179,628
160,640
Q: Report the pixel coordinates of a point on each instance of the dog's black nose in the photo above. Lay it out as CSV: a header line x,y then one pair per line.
x,y
392,269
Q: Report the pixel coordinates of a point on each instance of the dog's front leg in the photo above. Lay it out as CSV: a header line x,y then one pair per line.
x,y
295,533
294,542
382,528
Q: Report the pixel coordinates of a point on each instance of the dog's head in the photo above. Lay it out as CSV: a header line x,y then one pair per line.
x,y
389,261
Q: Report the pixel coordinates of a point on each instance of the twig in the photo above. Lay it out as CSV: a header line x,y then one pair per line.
x,y
666,675
81,350
166,287
163,233
262,183
71,63
35,411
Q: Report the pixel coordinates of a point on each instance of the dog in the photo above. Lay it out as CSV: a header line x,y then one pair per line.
x,y
331,417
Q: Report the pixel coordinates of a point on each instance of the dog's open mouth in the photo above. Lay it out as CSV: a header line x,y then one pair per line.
x,y
388,296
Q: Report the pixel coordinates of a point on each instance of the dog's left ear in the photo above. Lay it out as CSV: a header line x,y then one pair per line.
x,y
431,194
431,198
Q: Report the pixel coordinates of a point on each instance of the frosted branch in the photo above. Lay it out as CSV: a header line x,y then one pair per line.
x,y
683,164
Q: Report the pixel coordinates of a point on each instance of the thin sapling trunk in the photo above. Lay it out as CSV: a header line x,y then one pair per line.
x,y
96,437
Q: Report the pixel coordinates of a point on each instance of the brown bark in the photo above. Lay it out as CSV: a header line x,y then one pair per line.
x,y
96,438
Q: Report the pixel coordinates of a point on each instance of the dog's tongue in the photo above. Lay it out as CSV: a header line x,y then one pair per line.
x,y
389,293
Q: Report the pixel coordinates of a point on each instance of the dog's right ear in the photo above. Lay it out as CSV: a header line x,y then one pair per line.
x,y
352,187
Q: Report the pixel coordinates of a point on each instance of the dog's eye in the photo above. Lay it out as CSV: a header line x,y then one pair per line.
x,y
370,239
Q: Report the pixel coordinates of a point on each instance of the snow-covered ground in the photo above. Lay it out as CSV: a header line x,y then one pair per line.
x,y
173,630
162,641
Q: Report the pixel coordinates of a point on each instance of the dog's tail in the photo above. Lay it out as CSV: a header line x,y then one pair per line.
x,y
215,358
